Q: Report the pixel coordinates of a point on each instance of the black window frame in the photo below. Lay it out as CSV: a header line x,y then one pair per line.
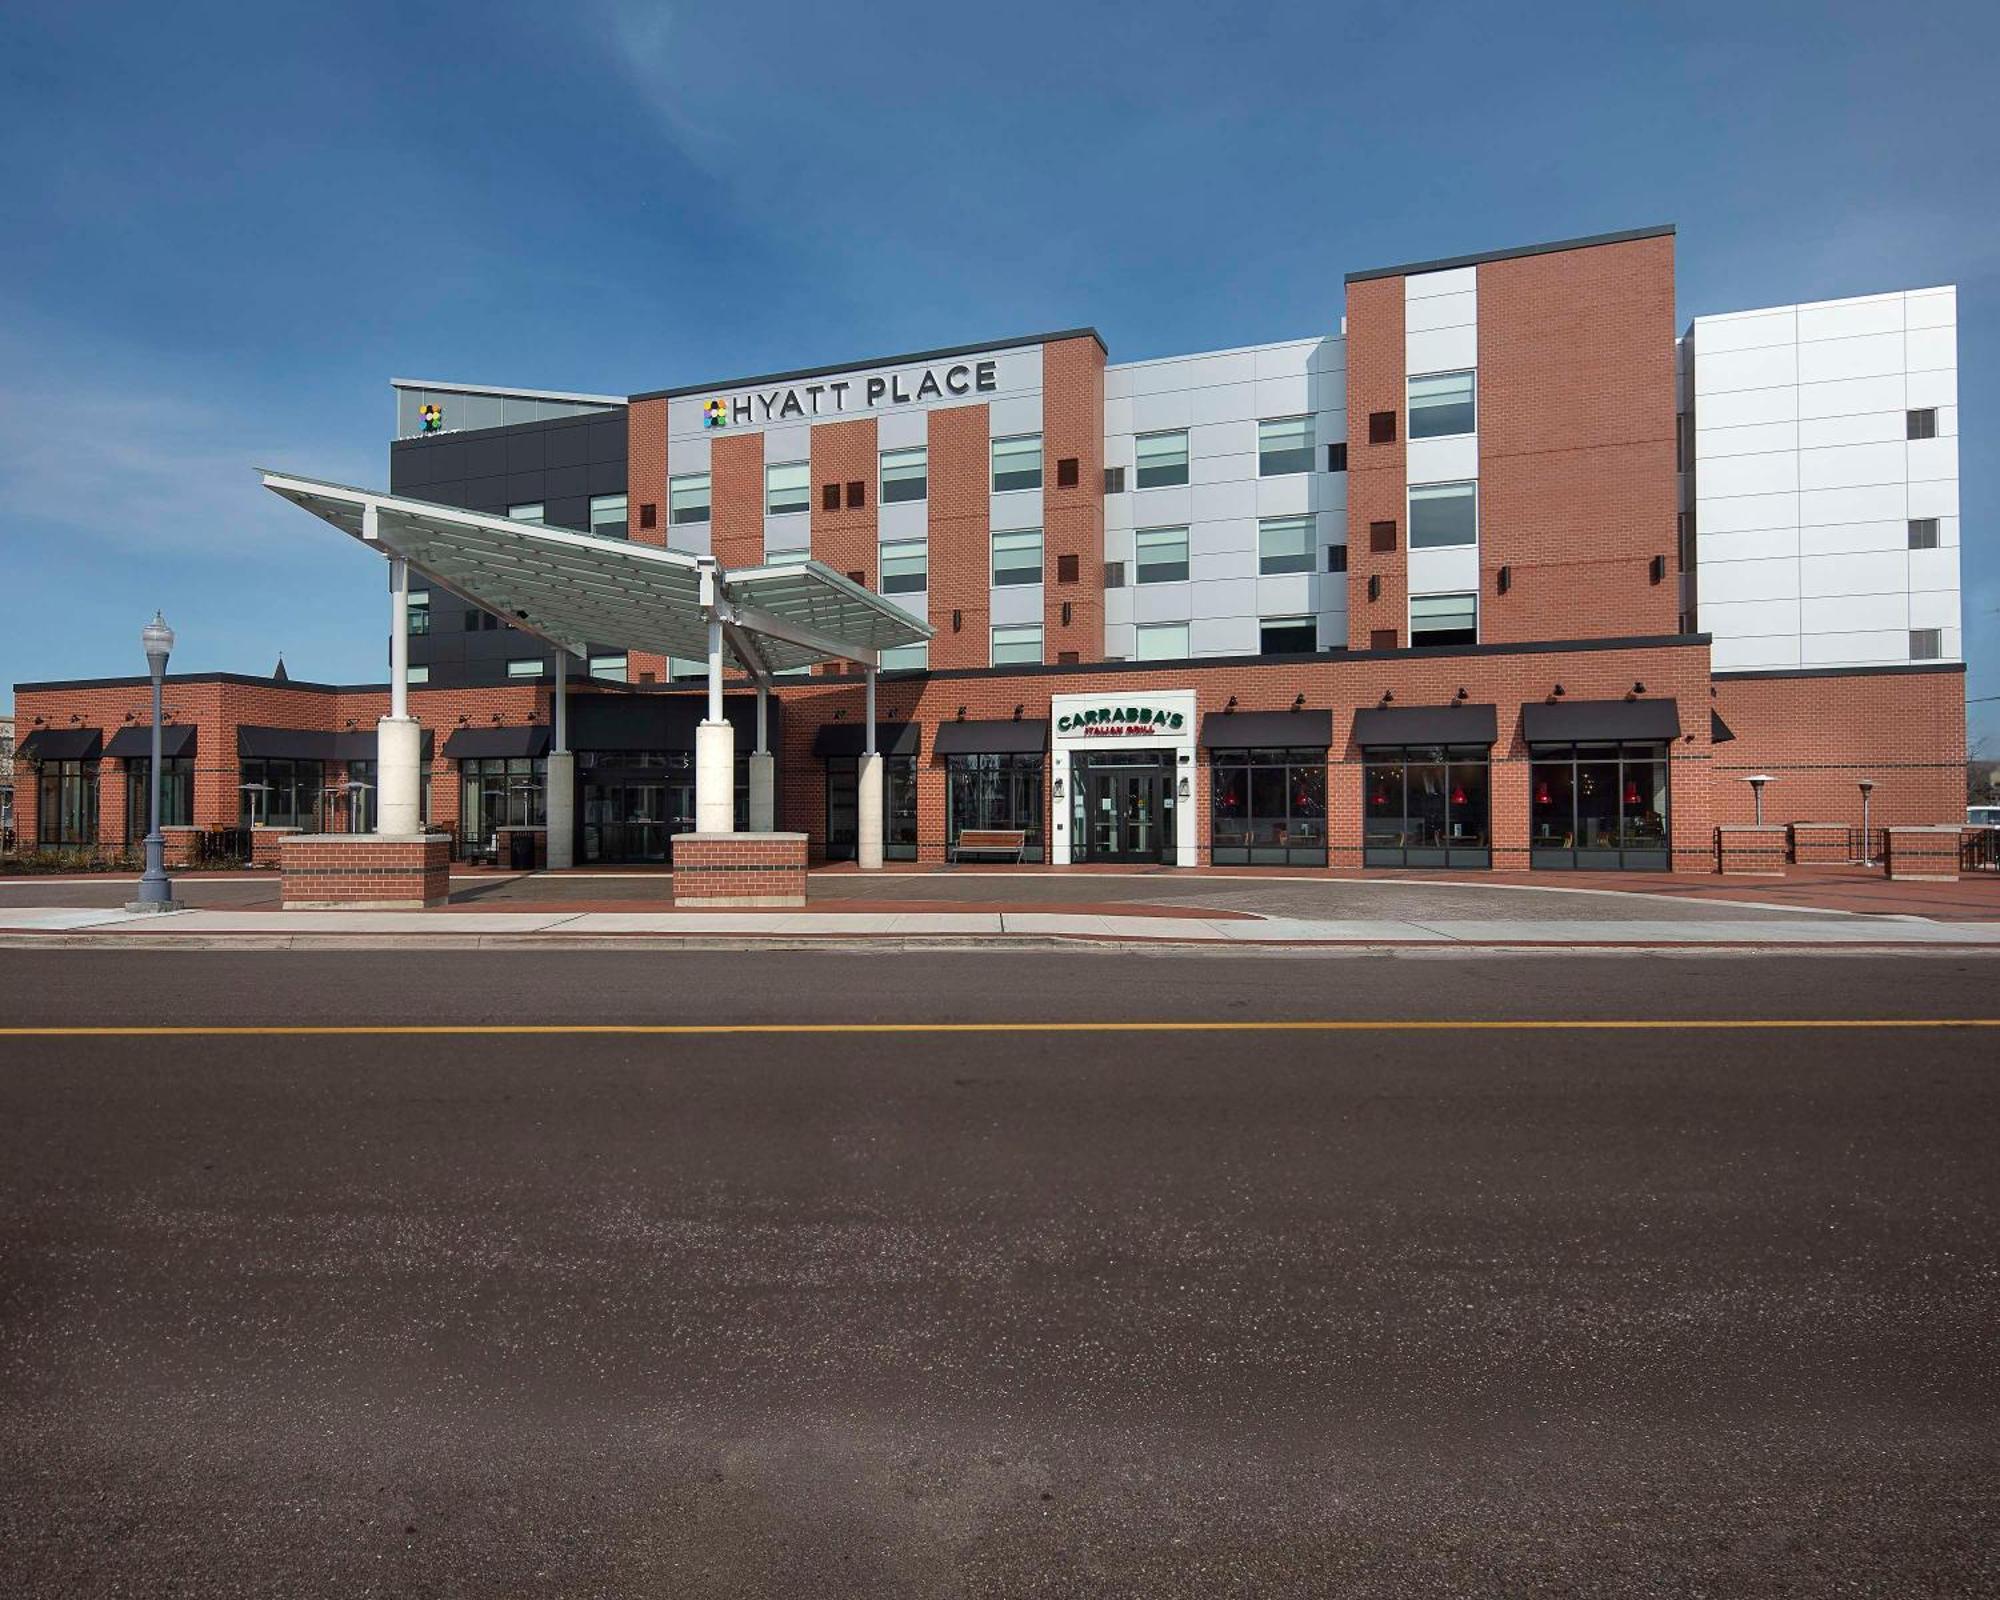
x,y
1388,821
899,806
67,791
1633,852
176,794
1014,795
1298,838
289,778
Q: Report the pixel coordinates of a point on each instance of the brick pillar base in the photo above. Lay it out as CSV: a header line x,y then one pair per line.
x,y
740,869
1924,853
366,871
1748,849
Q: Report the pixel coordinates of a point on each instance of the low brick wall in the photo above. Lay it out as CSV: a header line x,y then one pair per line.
x,y
1925,853
1747,849
366,871
267,844
1822,844
740,869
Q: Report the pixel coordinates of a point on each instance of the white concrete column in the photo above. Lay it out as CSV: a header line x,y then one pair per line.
x,y
763,770
399,741
714,777
868,805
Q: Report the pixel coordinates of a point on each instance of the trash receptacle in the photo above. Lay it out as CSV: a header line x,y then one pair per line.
x,y
521,850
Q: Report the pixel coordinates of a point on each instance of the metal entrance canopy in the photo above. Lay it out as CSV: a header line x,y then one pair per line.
x,y
575,590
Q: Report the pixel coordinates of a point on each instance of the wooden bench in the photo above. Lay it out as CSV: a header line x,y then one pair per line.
x,y
991,841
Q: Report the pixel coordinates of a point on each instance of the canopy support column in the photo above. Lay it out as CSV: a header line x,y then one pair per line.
x,y
559,796
763,769
398,738
714,739
868,791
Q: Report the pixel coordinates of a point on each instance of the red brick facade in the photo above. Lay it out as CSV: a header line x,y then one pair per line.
x,y
961,536
844,455
1377,580
336,871
646,486
740,869
1073,514
736,489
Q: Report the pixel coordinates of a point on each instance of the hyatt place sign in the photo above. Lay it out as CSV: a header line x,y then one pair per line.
x,y
833,397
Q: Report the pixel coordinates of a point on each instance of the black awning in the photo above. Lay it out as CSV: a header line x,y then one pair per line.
x,y
844,739
1600,721
1266,730
1719,732
1458,723
61,744
992,738
463,744
136,744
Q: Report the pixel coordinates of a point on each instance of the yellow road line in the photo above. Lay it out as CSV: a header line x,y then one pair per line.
x,y
682,1029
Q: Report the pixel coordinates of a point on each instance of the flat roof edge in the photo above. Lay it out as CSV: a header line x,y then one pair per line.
x,y
1445,264
509,394
875,361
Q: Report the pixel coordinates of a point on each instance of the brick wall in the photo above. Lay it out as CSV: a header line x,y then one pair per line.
x,y
736,487
1576,442
1743,849
646,485
961,535
740,869
1073,518
1376,481
845,539
352,870
1819,734
1924,853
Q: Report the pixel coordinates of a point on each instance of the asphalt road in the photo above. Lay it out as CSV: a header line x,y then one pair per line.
x,y
1384,1311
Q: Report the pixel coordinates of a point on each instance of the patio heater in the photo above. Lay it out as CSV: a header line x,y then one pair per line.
x,y
1757,780
1867,838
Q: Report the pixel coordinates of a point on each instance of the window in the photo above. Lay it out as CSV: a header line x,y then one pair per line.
x,y
1427,806
1381,427
1443,514
687,498
1923,533
1018,645
899,807
857,494
1114,574
681,667
649,514
1284,444
1017,462
417,675
995,791
66,803
532,512
1336,558
1926,644
1444,619
906,658
1017,556
525,669
283,793
1336,457
786,488
176,794
1381,539
1598,805
420,612
1287,636
1267,808
612,668
1069,568
607,516
1441,404
1284,544
1684,541
1160,641
1069,471
906,475
905,566
1160,555
1114,480
1381,638
1163,459
500,792
789,541
1922,424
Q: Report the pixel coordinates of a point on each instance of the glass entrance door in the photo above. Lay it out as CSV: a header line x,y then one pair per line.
x,y
1128,812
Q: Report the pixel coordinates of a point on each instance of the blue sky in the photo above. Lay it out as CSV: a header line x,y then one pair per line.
x,y
226,228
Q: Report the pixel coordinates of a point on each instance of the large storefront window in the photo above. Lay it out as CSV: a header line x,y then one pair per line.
x,y
1427,806
633,802
176,794
1599,805
500,792
1267,808
899,807
66,803
283,793
996,791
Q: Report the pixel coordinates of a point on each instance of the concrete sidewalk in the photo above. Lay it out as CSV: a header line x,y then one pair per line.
x,y
102,925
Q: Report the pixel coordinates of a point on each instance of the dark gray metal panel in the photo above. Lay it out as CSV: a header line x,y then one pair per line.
x,y
1600,721
1404,725
845,739
475,743
61,744
1263,730
287,744
136,743
991,738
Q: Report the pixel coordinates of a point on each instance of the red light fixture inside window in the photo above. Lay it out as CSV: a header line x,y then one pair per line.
x,y
1458,796
1542,793
1631,792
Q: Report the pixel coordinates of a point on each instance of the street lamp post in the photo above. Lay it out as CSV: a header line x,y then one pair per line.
x,y
156,889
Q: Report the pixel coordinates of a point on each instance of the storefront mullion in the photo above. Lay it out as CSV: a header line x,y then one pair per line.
x,y
1427,806
1600,806
1267,807
66,803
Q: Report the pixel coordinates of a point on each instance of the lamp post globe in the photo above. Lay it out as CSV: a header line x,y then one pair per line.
x,y
156,889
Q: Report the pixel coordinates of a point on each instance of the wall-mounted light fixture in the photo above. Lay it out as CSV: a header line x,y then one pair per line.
x,y
1182,790
1057,790
1298,701
1559,691
1232,704
1461,695
1638,688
